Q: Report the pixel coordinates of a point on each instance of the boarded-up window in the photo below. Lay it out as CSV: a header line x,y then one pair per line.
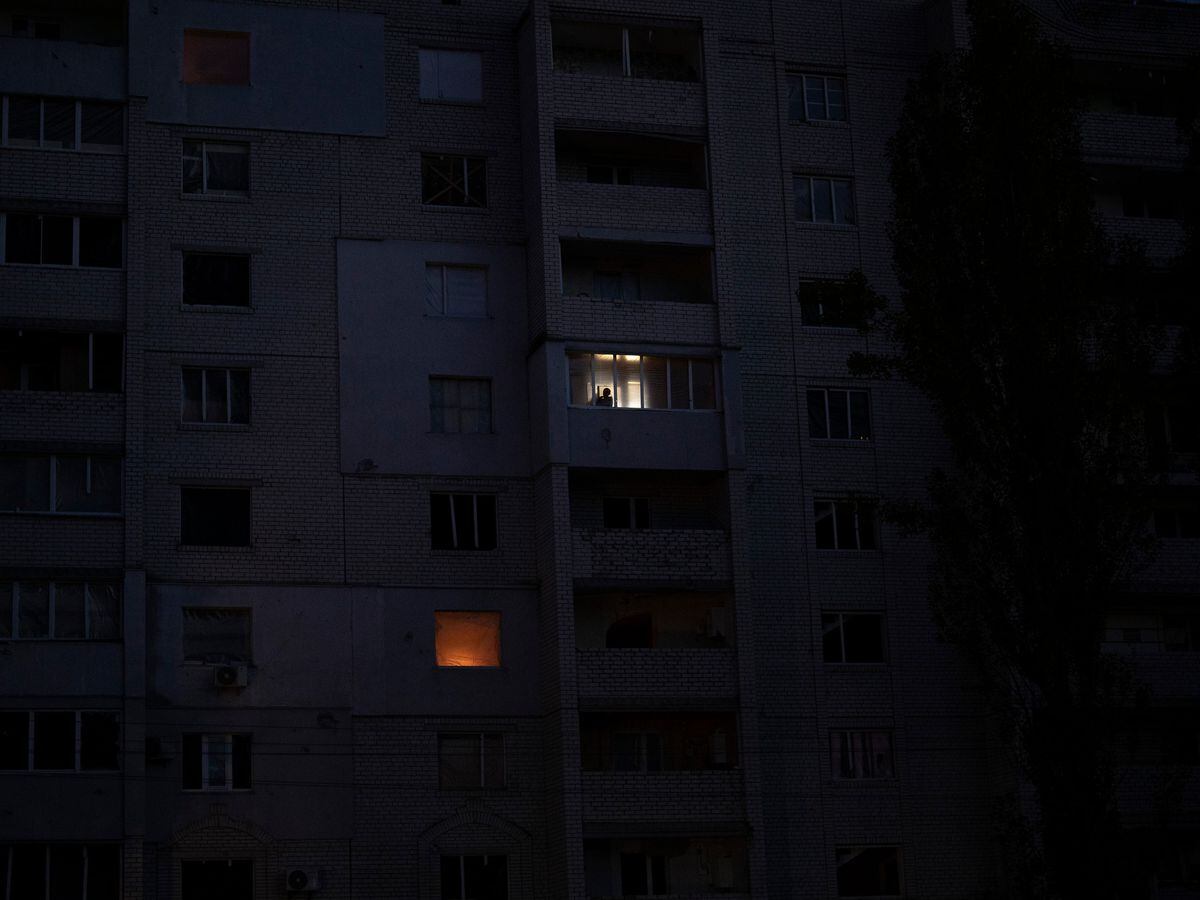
x,y
451,75
467,638
455,291
216,635
460,405
216,57
453,180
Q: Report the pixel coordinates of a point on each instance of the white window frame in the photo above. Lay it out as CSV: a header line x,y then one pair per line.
x,y
211,745
833,204
52,601
691,407
850,421
205,190
204,370
106,149
74,264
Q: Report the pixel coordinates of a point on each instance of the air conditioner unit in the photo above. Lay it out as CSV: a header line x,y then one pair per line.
x,y
303,879
231,676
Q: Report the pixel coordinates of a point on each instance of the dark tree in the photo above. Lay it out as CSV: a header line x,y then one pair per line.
x,y
1025,330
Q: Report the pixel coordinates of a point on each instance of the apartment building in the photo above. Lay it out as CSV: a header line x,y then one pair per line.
x,y
429,466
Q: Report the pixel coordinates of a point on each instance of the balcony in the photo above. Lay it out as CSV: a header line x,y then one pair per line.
x,y
1123,137
682,555
68,48
662,796
688,865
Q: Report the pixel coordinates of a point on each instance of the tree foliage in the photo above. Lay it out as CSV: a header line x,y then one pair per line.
x,y
1024,329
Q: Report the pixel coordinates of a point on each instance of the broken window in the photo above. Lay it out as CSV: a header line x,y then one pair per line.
x,y
213,635
475,877
838,415
460,405
59,610
216,279
844,524
848,637
75,871
861,754
455,291
471,760
825,201
60,740
216,396
59,361
467,638
216,762
216,57
626,512
463,521
451,75
210,167
595,48
868,871
816,98
60,483
453,180
215,516
56,124
642,382
229,879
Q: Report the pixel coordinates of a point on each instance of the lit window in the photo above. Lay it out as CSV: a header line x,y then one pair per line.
x,y
216,57
463,521
460,405
838,415
216,168
471,760
216,396
455,291
861,754
451,75
467,638
453,180
642,382
216,762
844,525
825,201
850,637
816,98
59,610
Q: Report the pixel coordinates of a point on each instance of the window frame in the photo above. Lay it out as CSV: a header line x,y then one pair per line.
x,y
832,181
248,306
458,410
474,495
804,78
205,190
91,361
85,869
52,485
637,510
482,755
865,433
225,740
835,768
203,400
834,503
77,133
77,742
52,585
76,221
844,660
470,202
642,357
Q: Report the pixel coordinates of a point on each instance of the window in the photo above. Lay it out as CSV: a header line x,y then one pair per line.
x,y
823,200
214,516
1172,428
216,168
75,871
1181,632
60,360
213,635
463,521
838,303
467,638
643,875
816,98
216,57
844,525
229,879
55,124
60,611
451,75
1177,521
637,752
60,483
50,240
868,871
475,877
41,28
858,755
642,382
216,762
471,760
453,180
216,279
626,512
596,48
460,405
852,637
838,415
455,291
60,740
216,396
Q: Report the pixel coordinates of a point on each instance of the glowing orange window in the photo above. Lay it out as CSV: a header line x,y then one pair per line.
x,y
216,57
467,638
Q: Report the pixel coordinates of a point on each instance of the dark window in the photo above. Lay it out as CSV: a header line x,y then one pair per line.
x,y
87,484
24,122
216,279
103,871
102,126
844,525
825,201
100,242
451,75
463,521
471,760
27,877
852,637
216,635
54,740
636,631
209,879
216,396
99,740
455,291
39,240
453,180
59,361
838,415
216,168
626,512
475,877
216,57
460,405
813,98
861,754
214,516
643,874
1177,522
216,762
14,740
58,124
868,871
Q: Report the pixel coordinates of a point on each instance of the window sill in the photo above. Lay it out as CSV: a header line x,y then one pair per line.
x,y
440,208
847,551
216,790
449,101
209,197
842,442
49,640
821,123
216,426
829,226
216,308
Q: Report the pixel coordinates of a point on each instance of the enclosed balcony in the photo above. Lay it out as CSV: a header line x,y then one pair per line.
x,y
694,866
63,48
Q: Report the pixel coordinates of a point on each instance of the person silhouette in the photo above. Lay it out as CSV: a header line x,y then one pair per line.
x,y
605,398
